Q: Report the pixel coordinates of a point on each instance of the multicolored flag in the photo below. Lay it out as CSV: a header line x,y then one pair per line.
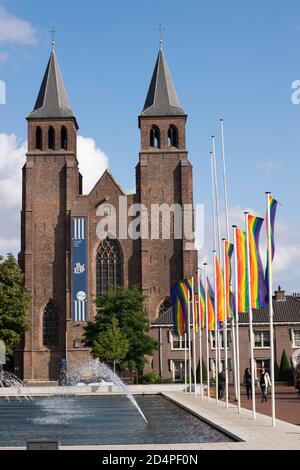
x,y
228,251
220,313
257,278
202,305
272,207
189,284
210,308
242,298
179,295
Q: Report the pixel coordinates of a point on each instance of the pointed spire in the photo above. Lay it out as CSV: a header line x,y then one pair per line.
x,y
52,100
162,99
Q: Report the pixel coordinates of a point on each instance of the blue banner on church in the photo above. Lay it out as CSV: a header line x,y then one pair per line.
x,y
79,275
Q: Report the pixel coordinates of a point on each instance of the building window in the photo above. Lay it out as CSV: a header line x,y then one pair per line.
x,y
154,137
38,139
177,342
212,366
221,339
173,136
261,339
296,338
259,364
64,138
108,266
50,326
178,369
165,306
51,138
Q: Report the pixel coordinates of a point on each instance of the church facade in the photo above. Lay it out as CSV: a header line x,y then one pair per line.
x,y
66,263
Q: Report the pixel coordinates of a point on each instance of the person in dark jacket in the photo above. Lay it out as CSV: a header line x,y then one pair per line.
x,y
221,384
248,383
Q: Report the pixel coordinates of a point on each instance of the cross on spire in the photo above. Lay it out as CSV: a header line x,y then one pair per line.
x,y
52,32
161,29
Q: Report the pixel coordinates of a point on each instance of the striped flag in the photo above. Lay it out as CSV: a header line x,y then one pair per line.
x,y
202,305
242,299
178,296
220,313
228,251
257,278
272,207
210,308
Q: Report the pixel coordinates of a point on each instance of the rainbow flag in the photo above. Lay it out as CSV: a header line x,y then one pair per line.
x,y
219,291
189,283
272,203
228,250
258,287
202,305
179,295
210,308
242,301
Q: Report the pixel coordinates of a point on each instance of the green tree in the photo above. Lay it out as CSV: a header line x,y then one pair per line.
x,y
127,306
111,345
14,302
285,370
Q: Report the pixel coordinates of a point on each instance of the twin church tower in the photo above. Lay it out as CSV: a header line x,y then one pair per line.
x,y
66,266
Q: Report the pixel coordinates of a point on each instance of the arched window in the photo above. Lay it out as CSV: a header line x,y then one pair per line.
x,y
165,305
51,138
50,326
38,139
64,138
154,137
108,266
173,136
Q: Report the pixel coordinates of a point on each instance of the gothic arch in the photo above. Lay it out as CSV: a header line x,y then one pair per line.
x,y
154,137
64,138
51,138
172,136
50,325
38,138
164,305
109,265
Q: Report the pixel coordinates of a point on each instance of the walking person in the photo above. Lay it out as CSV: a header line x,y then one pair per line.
x,y
247,382
221,384
264,382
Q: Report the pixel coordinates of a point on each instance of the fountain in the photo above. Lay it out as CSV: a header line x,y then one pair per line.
x,y
16,387
93,372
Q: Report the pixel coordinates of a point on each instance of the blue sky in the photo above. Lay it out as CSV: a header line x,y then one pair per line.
x,y
233,59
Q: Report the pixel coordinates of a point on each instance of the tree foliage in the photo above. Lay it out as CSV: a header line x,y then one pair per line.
x,y
111,345
127,306
14,302
285,370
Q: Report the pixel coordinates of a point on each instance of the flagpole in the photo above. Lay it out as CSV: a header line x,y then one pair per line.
x,y
250,321
194,338
216,332
271,310
189,341
227,234
185,363
200,336
236,313
225,331
206,326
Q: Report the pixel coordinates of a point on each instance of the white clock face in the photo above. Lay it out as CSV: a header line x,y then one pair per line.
x,y
81,296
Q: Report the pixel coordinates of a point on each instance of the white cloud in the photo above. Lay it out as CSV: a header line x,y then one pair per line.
x,y
92,162
14,29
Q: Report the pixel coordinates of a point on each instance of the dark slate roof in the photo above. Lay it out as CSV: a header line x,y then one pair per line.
x,y
162,99
285,311
52,100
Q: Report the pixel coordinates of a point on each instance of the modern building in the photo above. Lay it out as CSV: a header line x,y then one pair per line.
x,y
65,262
170,358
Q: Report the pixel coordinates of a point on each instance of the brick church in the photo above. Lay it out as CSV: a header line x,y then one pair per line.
x,y
65,264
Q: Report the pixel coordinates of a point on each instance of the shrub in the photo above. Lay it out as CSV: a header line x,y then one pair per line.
x,y
150,378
